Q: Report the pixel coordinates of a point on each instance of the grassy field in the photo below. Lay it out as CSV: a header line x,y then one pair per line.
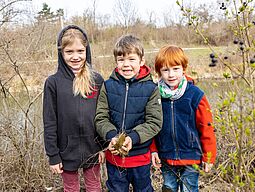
x,y
199,61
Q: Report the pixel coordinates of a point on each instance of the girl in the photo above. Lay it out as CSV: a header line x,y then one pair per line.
x,y
69,106
187,136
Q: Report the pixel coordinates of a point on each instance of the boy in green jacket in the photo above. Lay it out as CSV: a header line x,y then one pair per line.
x,y
129,104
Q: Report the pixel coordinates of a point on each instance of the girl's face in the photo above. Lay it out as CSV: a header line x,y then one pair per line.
x,y
75,54
172,75
129,65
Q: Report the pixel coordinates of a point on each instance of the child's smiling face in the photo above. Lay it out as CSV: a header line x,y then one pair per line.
x,y
129,65
172,75
75,54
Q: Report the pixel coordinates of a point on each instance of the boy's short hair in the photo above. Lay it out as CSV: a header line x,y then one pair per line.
x,y
127,44
169,56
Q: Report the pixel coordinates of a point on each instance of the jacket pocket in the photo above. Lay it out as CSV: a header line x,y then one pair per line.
x,y
194,141
72,151
80,148
89,146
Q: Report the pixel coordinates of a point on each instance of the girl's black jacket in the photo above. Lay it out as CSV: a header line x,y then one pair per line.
x,y
69,131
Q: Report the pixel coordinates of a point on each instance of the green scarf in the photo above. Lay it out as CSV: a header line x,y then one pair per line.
x,y
175,94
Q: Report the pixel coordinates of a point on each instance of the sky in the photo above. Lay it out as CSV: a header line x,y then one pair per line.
x,y
106,7
72,7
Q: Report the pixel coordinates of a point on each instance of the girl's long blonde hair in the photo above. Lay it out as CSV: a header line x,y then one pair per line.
x,y
83,82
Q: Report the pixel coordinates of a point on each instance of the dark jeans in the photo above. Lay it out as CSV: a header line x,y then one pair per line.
x,y
119,178
183,177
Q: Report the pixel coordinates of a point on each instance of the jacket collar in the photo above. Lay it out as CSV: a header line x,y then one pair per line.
x,y
143,73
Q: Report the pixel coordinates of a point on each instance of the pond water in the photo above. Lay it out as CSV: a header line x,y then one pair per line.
x,y
211,87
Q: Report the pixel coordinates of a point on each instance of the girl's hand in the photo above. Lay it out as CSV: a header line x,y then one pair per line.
x,y
56,168
101,157
156,162
111,146
207,166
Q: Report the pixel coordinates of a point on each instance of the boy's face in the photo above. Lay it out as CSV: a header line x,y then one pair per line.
x,y
129,65
75,54
172,75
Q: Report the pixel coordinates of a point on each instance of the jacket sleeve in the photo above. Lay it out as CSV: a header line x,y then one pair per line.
x,y
205,127
50,122
99,80
153,120
104,127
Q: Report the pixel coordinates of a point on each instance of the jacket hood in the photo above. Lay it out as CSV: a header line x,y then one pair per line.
x,y
62,66
143,72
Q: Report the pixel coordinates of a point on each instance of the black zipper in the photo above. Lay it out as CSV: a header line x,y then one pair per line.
x,y
174,132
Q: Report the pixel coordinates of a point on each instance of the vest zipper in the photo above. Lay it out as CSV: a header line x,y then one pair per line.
x,y
174,132
125,108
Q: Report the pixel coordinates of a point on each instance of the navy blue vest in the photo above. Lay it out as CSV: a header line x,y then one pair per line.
x,y
179,137
127,102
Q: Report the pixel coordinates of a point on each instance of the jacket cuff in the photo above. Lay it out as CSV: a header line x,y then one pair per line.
x,y
153,147
110,135
54,160
134,136
208,158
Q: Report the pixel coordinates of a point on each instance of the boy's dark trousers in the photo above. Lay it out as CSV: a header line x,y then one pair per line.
x,y
119,178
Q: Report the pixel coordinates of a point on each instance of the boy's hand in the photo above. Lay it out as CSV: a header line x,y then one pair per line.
x,y
207,166
56,168
127,145
155,160
101,157
111,146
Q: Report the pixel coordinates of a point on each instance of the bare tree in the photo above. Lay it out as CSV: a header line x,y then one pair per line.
x,y
152,17
94,6
23,165
125,12
8,11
